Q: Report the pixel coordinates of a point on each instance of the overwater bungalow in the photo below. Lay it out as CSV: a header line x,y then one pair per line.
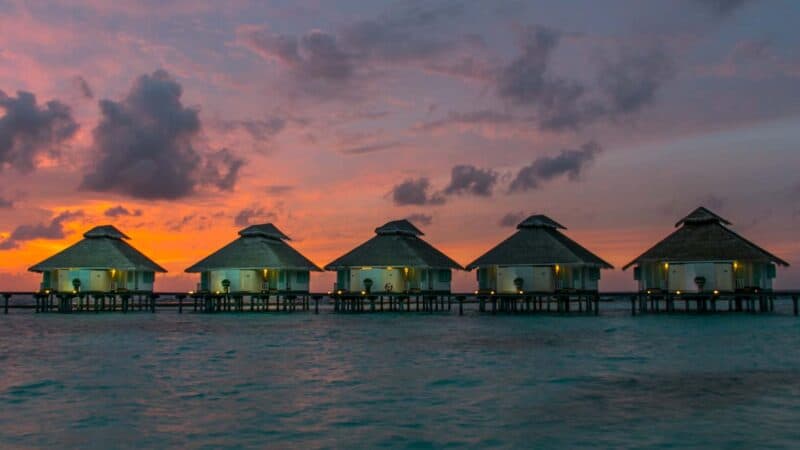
x,y
538,258
101,262
704,255
259,261
395,260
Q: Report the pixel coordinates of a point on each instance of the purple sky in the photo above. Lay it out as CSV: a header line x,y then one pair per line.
x,y
183,121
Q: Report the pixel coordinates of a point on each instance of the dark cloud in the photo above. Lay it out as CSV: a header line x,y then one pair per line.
x,y
51,230
626,83
467,179
250,216
416,192
398,36
403,36
145,145
420,219
222,169
6,203
278,189
722,7
315,55
121,211
569,162
370,148
29,130
524,80
82,86
511,219
560,103
260,130
480,117
632,80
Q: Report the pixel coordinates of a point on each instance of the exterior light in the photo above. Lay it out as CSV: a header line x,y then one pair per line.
x,y
735,265
476,292
366,268
666,266
558,268
678,292
492,293
648,292
363,292
113,272
520,292
389,268
217,292
329,292
716,292
338,292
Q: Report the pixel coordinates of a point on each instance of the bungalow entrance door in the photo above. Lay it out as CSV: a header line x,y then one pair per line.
x,y
677,277
543,279
723,276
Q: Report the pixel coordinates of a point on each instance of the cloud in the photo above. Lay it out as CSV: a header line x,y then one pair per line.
x,y
145,145
371,148
415,192
511,219
29,130
632,80
481,117
6,203
625,84
121,211
467,179
278,189
82,86
560,103
722,7
569,162
52,230
250,216
316,55
420,218
260,130
403,37
397,36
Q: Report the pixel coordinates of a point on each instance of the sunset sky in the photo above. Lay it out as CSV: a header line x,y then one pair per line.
x,y
181,122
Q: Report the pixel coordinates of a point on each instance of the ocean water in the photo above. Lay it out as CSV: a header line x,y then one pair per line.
x,y
398,381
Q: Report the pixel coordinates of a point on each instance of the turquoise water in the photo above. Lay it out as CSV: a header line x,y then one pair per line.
x,y
398,380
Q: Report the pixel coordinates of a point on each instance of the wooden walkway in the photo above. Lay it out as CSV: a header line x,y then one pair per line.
x,y
580,303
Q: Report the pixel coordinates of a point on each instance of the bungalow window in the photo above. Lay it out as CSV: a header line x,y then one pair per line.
x,y
148,277
342,278
483,278
47,280
771,271
205,281
301,277
445,276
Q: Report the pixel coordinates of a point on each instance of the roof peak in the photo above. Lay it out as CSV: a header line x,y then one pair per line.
x,y
402,226
540,221
105,231
702,215
267,230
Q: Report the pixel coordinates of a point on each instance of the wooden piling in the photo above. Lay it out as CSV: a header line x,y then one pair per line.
x,y
5,303
794,304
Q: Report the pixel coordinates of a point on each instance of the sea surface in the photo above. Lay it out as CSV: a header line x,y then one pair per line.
x,y
397,380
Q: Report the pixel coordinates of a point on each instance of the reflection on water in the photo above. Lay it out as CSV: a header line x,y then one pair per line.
x,y
287,381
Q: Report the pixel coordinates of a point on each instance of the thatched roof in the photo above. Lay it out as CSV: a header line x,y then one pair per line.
x,y
258,247
538,241
103,247
395,244
703,236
